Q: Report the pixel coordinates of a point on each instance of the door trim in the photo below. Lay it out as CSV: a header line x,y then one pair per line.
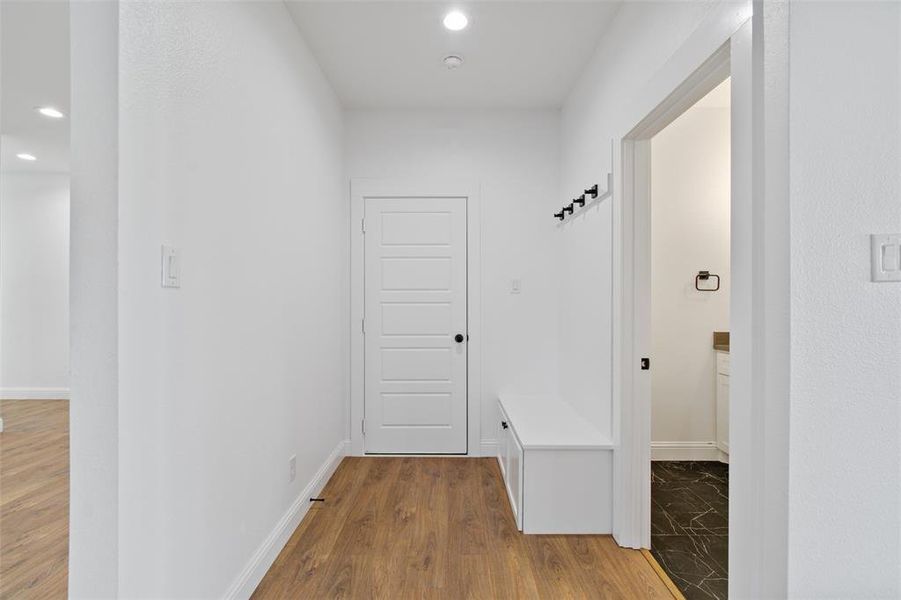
x,y
360,189
759,291
633,527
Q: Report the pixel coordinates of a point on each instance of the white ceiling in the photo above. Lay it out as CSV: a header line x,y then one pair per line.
x,y
519,54
34,71
389,54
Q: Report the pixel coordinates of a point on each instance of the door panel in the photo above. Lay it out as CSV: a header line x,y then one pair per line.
x,y
433,410
416,318
416,274
417,228
417,364
415,303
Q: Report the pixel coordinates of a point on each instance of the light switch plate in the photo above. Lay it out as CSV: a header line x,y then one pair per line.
x,y
515,286
885,251
170,269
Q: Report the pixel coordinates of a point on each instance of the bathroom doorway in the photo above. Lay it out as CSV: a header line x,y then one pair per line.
x,y
690,198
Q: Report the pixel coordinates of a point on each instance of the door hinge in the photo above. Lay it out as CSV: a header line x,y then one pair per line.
x,y
363,225
363,426
363,326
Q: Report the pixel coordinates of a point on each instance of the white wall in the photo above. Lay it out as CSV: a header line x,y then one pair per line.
x,y
34,279
844,526
514,156
94,301
690,222
231,152
639,41
650,49
841,535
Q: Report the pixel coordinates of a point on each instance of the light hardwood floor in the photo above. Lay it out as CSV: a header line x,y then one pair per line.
x,y
34,498
441,528
393,528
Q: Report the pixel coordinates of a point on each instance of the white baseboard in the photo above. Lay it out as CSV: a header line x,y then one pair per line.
x,y
723,452
488,448
34,393
685,451
253,573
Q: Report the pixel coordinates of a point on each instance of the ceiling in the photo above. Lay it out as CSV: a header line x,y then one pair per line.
x,y
389,54
34,71
518,54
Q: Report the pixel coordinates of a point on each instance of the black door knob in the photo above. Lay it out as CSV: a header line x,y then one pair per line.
x,y
459,338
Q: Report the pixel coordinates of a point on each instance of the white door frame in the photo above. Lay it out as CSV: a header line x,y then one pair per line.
x,y
360,189
636,285
722,44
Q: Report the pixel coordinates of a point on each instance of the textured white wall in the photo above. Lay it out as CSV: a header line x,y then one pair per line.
x,y
642,37
231,152
34,279
690,214
93,302
649,50
845,449
514,156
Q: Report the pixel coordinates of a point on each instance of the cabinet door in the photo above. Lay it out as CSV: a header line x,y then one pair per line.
x,y
722,412
514,475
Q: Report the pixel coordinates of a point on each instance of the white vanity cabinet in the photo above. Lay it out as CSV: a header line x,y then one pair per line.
x,y
557,468
722,402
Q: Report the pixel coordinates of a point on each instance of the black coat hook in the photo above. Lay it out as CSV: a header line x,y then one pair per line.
x,y
569,208
580,200
592,191
559,215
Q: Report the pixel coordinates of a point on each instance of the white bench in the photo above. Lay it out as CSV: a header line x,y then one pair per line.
x,y
557,467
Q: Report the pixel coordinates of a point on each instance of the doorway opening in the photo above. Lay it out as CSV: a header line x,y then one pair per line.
x,y
634,354
690,235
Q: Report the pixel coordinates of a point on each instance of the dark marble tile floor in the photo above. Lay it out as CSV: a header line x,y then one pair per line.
x,y
690,525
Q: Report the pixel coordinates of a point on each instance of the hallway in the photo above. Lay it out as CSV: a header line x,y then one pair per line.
x,y
359,299
34,498
441,528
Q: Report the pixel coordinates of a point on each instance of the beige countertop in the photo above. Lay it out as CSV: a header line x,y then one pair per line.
x,y
721,341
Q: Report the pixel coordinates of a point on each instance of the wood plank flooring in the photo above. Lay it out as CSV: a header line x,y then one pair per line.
x,y
393,528
441,528
34,499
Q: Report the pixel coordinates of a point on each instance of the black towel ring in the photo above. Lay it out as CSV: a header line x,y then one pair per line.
x,y
705,276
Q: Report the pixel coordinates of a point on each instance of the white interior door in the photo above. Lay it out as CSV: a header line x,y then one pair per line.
x,y
415,325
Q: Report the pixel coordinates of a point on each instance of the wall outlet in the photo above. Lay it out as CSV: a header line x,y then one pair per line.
x,y
292,468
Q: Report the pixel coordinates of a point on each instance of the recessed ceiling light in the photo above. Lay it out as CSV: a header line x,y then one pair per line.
x,y
453,61
26,156
49,111
455,20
